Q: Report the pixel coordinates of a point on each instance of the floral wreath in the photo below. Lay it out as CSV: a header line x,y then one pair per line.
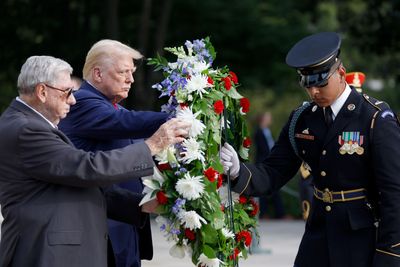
x,y
188,183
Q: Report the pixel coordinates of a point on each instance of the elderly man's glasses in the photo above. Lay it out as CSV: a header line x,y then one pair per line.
x,y
318,79
69,91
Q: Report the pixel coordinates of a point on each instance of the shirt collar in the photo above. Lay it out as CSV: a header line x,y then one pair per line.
x,y
339,102
37,112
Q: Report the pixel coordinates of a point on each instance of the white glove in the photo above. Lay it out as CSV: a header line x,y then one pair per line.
x,y
230,160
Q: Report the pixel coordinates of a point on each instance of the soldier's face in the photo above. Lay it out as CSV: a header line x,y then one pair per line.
x,y
326,95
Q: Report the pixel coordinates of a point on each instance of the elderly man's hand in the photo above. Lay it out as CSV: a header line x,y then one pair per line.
x,y
150,206
172,132
230,160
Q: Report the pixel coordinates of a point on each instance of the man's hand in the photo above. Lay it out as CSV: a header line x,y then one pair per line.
x,y
150,206
171,132
230,161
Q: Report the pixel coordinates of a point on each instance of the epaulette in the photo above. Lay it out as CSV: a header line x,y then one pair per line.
x,y
380,105
292,125
383,108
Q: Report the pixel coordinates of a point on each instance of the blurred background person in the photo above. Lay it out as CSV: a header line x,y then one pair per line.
x,y
98,123
76,82
263,144
356,80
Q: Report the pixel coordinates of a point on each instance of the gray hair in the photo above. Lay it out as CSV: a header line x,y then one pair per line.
x,y
105,52
40,69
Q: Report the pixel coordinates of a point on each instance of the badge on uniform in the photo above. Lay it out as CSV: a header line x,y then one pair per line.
x,y
305,134
351,143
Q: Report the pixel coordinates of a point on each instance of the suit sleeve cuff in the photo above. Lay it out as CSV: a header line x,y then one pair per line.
x,y
241,183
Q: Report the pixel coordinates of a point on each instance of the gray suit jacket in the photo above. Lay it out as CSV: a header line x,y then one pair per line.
x,y
54,211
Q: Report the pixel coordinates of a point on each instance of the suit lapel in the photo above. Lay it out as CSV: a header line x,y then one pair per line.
x,y
349,112
30,113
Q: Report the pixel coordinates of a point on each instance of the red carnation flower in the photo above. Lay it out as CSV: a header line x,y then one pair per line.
x,y
218,106
164,166
247,142
234,78
256,208
244,236
211,174
220,179
242,199
236,252
210,80
227,83
162,197
191,235
245,104
183,105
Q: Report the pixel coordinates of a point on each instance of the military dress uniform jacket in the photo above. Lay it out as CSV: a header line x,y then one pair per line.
x,y
343,233
54,211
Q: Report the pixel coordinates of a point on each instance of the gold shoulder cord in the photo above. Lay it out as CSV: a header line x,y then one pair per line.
x,y
388,253
248,180
366,97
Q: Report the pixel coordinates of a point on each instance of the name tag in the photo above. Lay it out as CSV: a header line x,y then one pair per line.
x,y
304,136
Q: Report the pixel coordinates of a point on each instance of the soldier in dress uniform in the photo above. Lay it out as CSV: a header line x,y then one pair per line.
x,y
356,80
351,144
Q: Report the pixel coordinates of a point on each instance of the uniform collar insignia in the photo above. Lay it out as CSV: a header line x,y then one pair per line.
x,y
351,107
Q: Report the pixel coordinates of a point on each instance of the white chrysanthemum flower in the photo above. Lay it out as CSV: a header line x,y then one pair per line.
x,y
177,251
192,151
190,187
197,83
186,114
199,66
227,233
191,220
204,261
165,155
223,194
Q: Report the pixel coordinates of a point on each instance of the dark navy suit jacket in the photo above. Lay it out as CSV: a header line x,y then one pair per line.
x,y
95,124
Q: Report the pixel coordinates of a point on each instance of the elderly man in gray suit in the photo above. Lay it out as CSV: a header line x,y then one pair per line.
x,y
50,192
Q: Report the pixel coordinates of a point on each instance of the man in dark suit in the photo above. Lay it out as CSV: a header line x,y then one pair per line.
x,y
351,144
263,144
54,211
108,74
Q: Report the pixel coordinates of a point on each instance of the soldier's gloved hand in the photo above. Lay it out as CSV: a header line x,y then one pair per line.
x,y
230,160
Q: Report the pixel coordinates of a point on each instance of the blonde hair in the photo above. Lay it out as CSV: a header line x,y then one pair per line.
x,y
105,52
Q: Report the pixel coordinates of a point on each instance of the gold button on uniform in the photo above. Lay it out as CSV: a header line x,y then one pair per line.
x,y
323,173
328,208
324,152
